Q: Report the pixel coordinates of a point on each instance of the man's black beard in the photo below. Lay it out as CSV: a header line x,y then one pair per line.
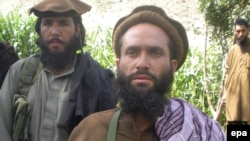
x,y
243,41
149,102
58,60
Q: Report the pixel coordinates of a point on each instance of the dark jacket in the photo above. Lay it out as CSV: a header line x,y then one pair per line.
x,y
8,56
91,91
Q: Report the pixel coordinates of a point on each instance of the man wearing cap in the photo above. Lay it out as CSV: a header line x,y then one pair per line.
x,y
149,47
68,87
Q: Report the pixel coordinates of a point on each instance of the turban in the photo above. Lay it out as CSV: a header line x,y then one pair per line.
x,y
60,6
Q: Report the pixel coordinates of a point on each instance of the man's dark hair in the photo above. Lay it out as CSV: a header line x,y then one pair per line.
x,y
241,21
8,56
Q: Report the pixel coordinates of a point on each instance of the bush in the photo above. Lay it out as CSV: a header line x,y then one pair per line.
x,y
18,30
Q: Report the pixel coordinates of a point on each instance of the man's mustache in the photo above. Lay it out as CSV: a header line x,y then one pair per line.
x,y
142,72
55,39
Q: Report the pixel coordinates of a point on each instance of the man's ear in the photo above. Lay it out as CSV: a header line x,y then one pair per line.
x,y
78,30
117,63
174,64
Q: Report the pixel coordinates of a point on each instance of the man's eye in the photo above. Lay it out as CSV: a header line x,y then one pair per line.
x,y
132,52
64,24
156,53
46,23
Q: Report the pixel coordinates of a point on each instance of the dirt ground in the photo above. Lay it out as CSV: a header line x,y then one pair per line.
x,y
105,13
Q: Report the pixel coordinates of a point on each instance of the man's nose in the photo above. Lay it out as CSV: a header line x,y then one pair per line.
x,y
55,30
142,62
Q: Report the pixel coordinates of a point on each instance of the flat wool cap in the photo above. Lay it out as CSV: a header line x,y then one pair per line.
x,y
60,6
157,16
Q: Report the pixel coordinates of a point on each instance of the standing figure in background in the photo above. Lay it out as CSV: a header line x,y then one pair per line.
x,y
237,82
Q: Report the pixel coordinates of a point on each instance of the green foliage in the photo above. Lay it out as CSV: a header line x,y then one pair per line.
x,y
190,80
99,45
18,30
220,16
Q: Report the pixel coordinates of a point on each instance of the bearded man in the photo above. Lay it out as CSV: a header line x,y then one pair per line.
x,y
237,82
68,87
150,47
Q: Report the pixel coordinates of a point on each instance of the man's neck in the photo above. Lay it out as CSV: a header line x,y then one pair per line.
x,y
142,122
58,72
243,43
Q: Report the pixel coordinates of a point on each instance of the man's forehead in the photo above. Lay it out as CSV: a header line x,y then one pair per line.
x,y
240,27
62,17
145,47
